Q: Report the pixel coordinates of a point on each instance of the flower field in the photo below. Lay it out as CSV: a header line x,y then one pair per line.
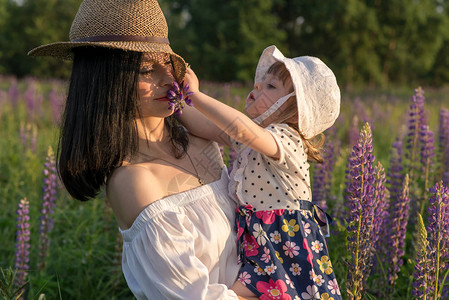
x,y
384,181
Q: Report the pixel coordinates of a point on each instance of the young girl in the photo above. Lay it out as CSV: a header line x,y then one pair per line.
x,y
281,247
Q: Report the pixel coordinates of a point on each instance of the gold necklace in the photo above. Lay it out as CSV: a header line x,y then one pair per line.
x,y
178,166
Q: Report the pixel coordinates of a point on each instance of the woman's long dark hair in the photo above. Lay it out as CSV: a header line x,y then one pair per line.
x,y
98,128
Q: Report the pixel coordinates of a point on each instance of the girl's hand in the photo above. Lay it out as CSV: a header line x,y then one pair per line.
x,y
192,80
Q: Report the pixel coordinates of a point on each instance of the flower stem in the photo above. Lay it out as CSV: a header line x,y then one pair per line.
x,y
359,226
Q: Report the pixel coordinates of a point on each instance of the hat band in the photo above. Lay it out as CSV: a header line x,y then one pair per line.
x,y
124,38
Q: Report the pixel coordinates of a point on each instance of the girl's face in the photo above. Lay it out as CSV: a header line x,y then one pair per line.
x,y
265,94
155,79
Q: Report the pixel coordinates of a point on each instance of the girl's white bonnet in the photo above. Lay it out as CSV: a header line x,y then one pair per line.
x,y
315,87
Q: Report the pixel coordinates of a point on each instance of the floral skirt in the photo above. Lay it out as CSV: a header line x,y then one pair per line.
x,y
284,255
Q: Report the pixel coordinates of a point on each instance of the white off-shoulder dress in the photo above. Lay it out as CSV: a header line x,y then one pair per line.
x,y
183,246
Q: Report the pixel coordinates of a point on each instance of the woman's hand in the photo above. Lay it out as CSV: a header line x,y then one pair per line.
x,y
192,80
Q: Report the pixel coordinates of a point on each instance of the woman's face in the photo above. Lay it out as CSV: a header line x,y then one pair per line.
x,y
155,79
265,94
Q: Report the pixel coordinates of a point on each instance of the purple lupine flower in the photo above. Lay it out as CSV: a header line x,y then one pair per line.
x,y
342,211
382,204
444,145
415,121
30,98
319,189
323,174
361,202
395,174
337,202
438,232
381,215
38,100
421,268
13,93
179,96
21,261
398,227
381,112
427,154
395,181
412,162
48,204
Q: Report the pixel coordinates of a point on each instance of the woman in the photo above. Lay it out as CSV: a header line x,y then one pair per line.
x,y
167,187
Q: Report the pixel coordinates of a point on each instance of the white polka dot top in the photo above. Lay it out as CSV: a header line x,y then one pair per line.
x,y
267,184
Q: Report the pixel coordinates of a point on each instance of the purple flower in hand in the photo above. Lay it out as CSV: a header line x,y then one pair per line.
x,y
179,96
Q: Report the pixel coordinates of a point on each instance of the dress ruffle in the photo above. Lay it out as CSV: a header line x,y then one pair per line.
x,y
238,168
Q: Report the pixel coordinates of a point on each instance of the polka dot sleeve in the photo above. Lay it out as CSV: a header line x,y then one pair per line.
x,y
290,145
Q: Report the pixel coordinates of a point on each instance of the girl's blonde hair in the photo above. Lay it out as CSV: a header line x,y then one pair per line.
x,y
313,145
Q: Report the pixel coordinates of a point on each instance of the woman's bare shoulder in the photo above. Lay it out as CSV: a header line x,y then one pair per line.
x,y
129,190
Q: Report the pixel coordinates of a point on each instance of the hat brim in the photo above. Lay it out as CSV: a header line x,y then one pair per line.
x,y
63,50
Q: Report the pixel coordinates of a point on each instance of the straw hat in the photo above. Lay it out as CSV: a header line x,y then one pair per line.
x,y
136,25
315,87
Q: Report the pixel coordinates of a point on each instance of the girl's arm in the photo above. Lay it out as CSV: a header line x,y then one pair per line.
x,y
234,123
197,124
